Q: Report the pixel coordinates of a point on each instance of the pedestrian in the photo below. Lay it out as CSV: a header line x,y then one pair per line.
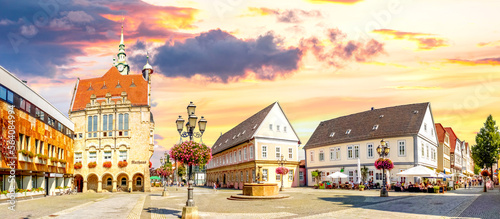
x,y
465,184
215,187
470,184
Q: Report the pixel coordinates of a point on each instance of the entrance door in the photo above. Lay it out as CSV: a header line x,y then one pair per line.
x,y
46,186
79,183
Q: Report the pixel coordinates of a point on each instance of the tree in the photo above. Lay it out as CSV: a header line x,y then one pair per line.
x,y
485,152
181,170
476,169
364,173
316,174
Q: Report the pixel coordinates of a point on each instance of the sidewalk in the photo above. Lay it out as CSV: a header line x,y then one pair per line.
x,y
485,206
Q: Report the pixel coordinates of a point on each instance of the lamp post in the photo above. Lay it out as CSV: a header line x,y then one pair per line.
x,y
164,161
383,150
281,163
190,127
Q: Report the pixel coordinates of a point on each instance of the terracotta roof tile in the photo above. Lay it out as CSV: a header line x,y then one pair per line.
x,y
453,139
441,133
108,83
242,132
391,121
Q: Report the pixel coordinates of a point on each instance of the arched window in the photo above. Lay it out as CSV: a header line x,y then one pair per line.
x,y
124,181
109,182
139,181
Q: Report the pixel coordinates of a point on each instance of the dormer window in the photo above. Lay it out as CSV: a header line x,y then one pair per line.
x,y
381,116
227,140
255,126
243,131
348,131
234,137
375,127
332,134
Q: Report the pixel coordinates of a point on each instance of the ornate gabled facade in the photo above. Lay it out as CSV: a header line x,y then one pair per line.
x,y
258,141
114,129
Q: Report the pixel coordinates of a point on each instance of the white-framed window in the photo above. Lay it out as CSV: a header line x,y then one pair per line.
x,y
312,156
239,155
301,176
369,150
92,156
428,153
332,153
78,157
337,153
423,150
321,155
284,129
271,127
122,155
251,152
402,148
230,157
278,152
277,128
234,156
244,153
290,153
290,176
349,152
278,177
356,151
351,175
348,131
264,174
107,155
425,127
264,151
332,134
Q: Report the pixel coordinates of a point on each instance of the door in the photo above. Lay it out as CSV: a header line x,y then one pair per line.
x,y
46,186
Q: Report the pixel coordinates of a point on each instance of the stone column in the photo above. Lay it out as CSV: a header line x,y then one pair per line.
x,y
129,186
84,189
114,186
99,186
147,181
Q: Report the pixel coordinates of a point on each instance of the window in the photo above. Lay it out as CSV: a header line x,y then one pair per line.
x,y
110,124
375,127
428,154
271,127
126,124
301,176
264,151
122,155
425,126
351,175
124,181
120,121
332,153
349,152
95,126
10,97
244,153
401,148
109,182
369,148
312,156
290,153
41,148
284,129
22,103
264,174
139,181
321,155
332,134
278,177
78,157
251,152
105,123
278,128
234,156
422,149
107,155
278,152
356,151
348,131
337,154
3,93
239,155
92,156
290,175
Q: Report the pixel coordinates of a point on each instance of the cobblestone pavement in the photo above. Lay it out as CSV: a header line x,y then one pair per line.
x,y
303,203
485,206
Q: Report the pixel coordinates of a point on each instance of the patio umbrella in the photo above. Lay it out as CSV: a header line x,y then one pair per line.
x,y
155,177
442,175
419,170
337,175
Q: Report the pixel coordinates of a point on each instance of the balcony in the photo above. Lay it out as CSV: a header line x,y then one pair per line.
x,y
40,160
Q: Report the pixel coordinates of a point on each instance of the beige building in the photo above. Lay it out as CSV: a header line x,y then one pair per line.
x,y
114,129
444,163
258,141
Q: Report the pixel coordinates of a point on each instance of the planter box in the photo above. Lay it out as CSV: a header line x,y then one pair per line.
x,y
40,161
22,195
24,158
61,165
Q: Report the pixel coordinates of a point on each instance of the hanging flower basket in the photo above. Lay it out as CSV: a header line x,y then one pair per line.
x,y
107,164
191,153
485,173
150,164
92,164
122,163
78,165
384,163
281,170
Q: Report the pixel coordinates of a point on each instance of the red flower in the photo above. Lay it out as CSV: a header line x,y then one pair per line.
x,y
281,171
107,164
78,165
384,163
122,163
92,164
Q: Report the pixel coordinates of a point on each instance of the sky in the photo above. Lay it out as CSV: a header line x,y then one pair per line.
x,y
320,59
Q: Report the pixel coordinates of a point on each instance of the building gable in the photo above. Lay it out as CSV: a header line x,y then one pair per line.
x,y
276,126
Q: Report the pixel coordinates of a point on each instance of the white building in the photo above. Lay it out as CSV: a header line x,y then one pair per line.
x,y
338,143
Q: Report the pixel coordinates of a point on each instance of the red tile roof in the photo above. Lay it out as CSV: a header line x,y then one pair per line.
x,y
453,139
441,133
114,83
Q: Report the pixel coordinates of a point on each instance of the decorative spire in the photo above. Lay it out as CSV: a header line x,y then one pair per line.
x,y
121,64
121,39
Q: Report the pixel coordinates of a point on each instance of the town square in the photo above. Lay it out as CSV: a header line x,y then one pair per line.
x,y
249,109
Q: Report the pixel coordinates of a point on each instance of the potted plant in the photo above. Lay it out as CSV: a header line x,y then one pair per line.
x,y
92,164
361,187
23,152
316,174
39,156
122,163
107,164
78,165
62,161
45,157
31,154
54,160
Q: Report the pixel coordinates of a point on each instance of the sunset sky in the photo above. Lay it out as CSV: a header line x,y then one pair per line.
x,y
320,59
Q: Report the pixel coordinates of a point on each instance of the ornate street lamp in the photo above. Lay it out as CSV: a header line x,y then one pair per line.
x,y
190,126
164,161
383,150
281,163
